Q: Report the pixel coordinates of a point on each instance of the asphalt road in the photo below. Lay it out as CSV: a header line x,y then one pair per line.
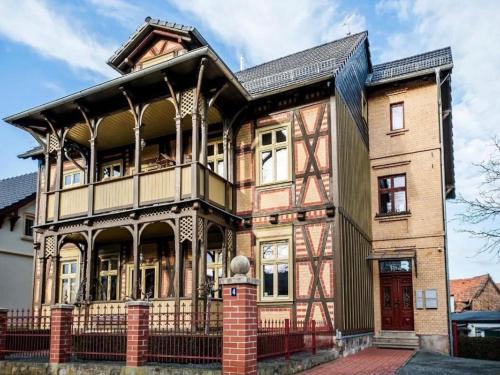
x,y
425,363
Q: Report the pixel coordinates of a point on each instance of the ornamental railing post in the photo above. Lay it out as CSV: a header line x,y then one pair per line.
x,y
287,339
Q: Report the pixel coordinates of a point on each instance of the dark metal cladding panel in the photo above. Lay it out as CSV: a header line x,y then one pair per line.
x,y
350,83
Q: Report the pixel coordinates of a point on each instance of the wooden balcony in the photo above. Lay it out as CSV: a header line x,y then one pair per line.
x,y
154,187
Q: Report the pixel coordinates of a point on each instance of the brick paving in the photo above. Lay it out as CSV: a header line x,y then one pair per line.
x,y
372,361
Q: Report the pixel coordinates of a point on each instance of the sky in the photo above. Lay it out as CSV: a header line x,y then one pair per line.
x,y
53,48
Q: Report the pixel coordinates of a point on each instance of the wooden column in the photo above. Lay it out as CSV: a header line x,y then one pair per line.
x,y
178,156
90,265
136,294
91,176
194,265
137,161
194,153
204,133
57,193
225,139
177,285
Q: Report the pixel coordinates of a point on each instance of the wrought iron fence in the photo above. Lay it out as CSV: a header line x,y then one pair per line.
x,y
28,334
185,335
284,337
100,332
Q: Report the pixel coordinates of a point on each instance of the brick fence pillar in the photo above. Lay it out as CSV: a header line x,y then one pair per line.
x,y
137,332
3,332
239,337
61,320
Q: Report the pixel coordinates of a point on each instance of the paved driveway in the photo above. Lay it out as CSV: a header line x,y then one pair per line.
x,y
371,361
424,363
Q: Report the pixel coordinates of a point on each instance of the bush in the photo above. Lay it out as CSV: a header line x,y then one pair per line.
x,y
479,347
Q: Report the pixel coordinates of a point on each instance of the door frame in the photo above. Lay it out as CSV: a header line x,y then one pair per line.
x,y
397,279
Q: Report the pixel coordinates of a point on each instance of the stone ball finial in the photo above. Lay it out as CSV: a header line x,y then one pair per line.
x,y
240,265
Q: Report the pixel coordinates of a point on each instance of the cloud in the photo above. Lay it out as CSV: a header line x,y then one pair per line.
x,y
262,30
400,7
119,10
472,29
50,34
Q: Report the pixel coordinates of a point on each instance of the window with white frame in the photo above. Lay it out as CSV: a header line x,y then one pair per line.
x,y
273,155
72,178
68,287
274,267
215,157
29,221
108,278
111,170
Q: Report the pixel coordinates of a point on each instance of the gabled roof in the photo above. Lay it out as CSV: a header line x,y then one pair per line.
x,y
317,62
16,189
142,31
31,153
423,63
466,290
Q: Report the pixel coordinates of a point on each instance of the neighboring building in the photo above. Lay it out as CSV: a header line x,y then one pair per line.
x,y
478,323
409,122
17,215
151,182
477,293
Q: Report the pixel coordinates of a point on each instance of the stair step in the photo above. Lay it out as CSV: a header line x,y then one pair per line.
x,y
408,342
398,333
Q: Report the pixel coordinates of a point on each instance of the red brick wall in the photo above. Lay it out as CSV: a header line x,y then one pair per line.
x,y
61,319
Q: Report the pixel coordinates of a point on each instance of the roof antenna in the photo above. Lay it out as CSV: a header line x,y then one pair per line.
x,y
347,24
242,62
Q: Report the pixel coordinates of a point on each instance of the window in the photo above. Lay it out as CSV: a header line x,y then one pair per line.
x,y
72,178
148,287
29,221
397,116
69,281
111,170
214,271
395,266
273,155
108,279
215,157
275,269
419,300
392,194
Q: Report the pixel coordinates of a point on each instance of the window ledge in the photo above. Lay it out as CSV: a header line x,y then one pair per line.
x,y
394,133
278,184
275,301
27,238
393,217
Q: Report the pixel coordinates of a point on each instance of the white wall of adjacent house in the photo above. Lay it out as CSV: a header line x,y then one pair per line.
x,y
16,261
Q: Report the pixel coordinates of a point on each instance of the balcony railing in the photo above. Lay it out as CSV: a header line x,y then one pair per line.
x,y
155,187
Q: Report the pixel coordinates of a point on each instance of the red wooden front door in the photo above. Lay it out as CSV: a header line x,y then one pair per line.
x,y
396,301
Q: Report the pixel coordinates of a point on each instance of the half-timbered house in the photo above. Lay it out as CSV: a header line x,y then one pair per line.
x,y
150,183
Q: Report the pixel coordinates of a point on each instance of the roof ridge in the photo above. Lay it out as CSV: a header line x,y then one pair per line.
x,y
21,175
414,56
302,51
470,278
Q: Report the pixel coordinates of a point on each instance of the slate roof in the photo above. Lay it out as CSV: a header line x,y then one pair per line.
x,y
15,189
142,30
466,290
408,66
316,62
35,151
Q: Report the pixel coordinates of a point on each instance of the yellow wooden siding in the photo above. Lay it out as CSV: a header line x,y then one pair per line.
x,y
74,201
186,180
155,187
113,194
50,206
216,189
